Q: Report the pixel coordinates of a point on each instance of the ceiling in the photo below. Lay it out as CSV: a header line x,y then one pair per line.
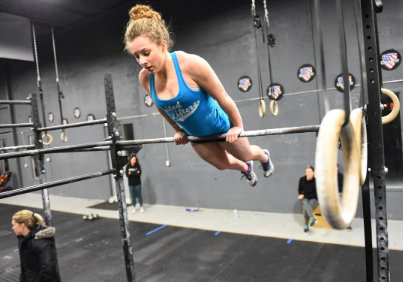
x,y
61,14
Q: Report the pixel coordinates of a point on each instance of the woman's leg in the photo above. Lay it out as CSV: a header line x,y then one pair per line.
x,y
132,195
216,155
242,150
138,194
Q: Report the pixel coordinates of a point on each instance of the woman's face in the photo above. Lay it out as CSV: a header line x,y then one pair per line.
x,y
133,161
19,228
147,53
309,173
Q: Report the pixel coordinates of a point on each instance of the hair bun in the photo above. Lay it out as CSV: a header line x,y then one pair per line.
x,y
143,11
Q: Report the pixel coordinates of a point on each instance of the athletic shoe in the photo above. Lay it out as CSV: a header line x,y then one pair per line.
x,y
312,221
141,209
268,167
134,209
250,175
306,228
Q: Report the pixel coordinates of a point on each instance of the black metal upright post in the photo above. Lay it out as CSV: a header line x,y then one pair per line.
x,y
375,134
39,159
113,133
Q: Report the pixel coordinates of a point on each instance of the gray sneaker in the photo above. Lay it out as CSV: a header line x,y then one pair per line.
x,y
250,175
268,167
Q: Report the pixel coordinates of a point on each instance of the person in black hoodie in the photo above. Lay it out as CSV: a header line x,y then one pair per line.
x,y
37,248
133,173
307,194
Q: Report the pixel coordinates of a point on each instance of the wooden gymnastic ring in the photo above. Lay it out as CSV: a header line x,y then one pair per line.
x,y
50,139
274,107
262,108
338,214
396,106
64,137
360,129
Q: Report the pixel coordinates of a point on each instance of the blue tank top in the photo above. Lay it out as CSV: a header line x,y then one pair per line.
x,y
193,110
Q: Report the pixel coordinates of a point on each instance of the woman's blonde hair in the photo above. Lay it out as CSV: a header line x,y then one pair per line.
x,y
29,218
145,21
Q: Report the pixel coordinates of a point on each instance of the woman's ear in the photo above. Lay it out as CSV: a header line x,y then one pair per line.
x,y
164,45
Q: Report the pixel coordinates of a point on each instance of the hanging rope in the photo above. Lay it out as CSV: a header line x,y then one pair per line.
x,y
258,24
270,39
319,42
39,83
60,96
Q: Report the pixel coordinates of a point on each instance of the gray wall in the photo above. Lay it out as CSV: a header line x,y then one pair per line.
x,y
222,33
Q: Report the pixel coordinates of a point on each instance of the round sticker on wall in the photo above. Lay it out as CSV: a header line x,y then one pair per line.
x,y
51,117
339,82
77,112
306,73
275,91
90,117
148,101
244,83
390,59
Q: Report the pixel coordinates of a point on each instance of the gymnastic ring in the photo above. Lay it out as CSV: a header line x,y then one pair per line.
x,y
50,139
274,107
338,214
360,133
262,108
396,106
63,137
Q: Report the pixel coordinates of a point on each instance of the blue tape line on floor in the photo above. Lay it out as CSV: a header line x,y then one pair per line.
x,y
156,229
218,232
289,241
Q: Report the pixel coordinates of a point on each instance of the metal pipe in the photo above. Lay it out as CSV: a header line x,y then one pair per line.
x,y
12,148
53,150
11,102
38,187
28,124
71,125
218,137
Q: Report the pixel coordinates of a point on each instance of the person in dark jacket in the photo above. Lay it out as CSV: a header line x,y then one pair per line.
x,y
133,173
37,248
307,194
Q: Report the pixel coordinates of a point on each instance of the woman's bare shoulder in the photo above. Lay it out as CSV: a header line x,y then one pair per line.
x,y
190,62
144,79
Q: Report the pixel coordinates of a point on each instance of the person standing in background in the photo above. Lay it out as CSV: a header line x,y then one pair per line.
x,y
133,173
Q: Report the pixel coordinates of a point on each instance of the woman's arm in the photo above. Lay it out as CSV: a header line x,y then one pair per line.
x,y
201,72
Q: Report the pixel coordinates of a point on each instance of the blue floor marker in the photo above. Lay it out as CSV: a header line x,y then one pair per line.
x,y
16,250
289,241
156,229
218,232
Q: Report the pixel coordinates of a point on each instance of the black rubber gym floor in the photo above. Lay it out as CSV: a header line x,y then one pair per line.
x,y
92,251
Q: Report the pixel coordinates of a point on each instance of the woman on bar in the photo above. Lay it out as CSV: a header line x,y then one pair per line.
x,y
189,95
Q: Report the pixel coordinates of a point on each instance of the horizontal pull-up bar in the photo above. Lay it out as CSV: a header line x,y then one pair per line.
x,y
60,149
122,144
29,124
71,125
13,148
253,133
69,180
10,102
